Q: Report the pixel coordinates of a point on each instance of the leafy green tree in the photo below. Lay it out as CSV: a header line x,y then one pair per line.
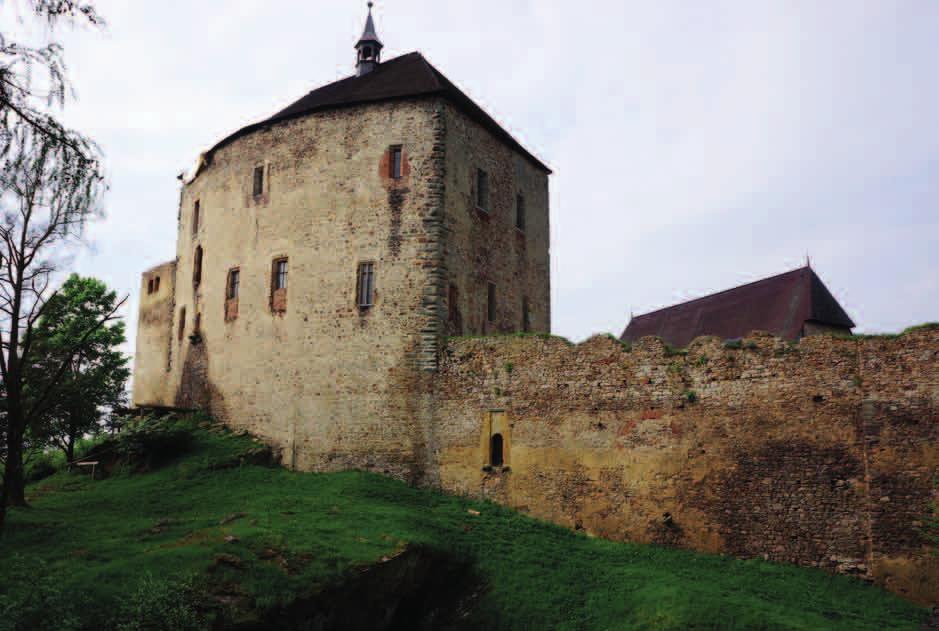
x,y
95,376
51,183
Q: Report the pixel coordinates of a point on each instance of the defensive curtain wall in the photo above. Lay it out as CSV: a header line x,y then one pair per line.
x,y
822,453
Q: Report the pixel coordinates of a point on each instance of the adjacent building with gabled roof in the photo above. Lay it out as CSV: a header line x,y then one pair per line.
x,y
790,305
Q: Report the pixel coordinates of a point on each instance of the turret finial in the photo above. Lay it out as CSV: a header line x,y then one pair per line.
x,y
368,54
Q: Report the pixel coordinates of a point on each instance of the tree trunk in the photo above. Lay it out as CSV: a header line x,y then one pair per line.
x,y
70,450
14,481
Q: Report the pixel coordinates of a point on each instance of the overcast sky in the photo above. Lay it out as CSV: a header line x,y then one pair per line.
x,y
696,145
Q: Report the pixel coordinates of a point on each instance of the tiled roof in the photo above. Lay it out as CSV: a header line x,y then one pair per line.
x,y
404,77
780,304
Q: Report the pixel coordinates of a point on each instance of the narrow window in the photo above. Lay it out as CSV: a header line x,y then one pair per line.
x,y
280,274
396,158
156,284
482,190
258,180
234,278
150,286
526,315
495,450
197,267
182,323
491,303
198,324
520,212
365,285
195,217
279,285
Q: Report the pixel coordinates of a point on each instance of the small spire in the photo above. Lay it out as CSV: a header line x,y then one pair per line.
x,y
368,48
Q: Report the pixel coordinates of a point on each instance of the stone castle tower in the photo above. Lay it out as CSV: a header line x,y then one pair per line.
x,y
325,253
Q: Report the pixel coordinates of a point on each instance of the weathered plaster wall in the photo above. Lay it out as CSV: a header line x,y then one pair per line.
x,y
485,247
821,453
155,318
321,379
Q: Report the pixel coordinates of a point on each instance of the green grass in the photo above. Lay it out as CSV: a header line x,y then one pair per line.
x,y
103,539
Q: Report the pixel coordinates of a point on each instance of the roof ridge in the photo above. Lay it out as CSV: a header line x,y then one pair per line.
x,y
719,293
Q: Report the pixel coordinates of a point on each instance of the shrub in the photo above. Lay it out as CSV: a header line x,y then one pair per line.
x,y
162,605
41,466
151,442
33,599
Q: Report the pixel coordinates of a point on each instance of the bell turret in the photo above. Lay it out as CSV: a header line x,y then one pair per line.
x,y
368,49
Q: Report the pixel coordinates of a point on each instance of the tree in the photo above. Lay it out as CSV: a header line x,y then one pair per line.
x,y
94,378
50,186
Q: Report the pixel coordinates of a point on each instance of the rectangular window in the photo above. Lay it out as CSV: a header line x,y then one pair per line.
x,y
520,212
280,274
482,190
365,285
396,162
234,279
491,303
258,180
182,323
195,217
526,315
156,284
150,286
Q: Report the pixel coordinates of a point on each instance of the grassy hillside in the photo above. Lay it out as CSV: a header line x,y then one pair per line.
x,y
203,529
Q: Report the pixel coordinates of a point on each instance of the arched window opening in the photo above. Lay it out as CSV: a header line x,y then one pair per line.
x,y
495,450
182,323
197,267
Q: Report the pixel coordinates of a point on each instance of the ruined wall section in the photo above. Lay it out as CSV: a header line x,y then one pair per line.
x,y
822,453
154,332
325,381
486,247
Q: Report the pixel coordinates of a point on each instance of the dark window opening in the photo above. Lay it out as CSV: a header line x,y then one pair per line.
x,y
482,190
495,450
234,279
182,323
280,274
258,180
150,286
156,284
491,303
365,285
520,213
396,162
197,267
526,315
195,217
198,324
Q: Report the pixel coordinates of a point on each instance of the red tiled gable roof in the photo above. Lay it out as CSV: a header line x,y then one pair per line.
x,y
404,77
780,305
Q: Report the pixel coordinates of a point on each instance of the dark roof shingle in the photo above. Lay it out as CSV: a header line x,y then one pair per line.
x,y
407,76
780,304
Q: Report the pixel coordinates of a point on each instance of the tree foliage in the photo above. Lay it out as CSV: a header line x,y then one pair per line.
x,y
94,378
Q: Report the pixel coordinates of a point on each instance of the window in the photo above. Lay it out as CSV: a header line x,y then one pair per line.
x,y
195,217
182,323
495,450
280,274
453,306
365,286
156,284
198,324
197,267
482,190
520,212
526,315
150,286
234,278
258,180
396,162
491,303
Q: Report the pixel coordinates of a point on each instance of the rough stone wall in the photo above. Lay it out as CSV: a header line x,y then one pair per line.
x,y
306,368
155,319
486,247
822,453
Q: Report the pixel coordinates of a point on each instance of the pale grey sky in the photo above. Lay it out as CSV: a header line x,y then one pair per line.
x,y
696,145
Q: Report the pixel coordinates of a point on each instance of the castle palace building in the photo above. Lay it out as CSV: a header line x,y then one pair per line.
x,y
325,253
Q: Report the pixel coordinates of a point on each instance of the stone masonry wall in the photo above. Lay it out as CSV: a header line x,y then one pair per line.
x,y
822,453
155,318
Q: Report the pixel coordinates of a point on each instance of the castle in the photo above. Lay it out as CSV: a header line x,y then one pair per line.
x,y
342,267
324,254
